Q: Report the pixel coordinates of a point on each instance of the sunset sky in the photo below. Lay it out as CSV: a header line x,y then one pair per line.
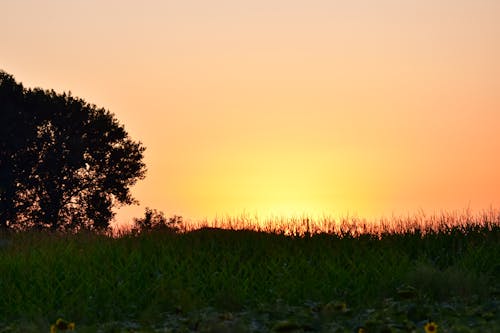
x,y
366,107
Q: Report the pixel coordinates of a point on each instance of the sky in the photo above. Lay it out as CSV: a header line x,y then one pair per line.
x,y
282,108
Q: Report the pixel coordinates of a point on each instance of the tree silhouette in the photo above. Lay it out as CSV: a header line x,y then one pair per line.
x,y
66,163
156,220
14,130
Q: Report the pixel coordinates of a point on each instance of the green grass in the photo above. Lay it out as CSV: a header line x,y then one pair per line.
x,y
243,281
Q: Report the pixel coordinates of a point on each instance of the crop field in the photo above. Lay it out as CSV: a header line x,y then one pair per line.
x,y
439,275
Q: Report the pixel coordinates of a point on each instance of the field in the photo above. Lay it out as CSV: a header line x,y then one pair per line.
x,y
391,277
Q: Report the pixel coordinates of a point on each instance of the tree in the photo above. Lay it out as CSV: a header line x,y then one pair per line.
x,y
70,165
16,127
156,220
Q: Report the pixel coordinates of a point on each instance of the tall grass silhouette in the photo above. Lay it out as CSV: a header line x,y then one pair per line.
x,y
352,226
274,274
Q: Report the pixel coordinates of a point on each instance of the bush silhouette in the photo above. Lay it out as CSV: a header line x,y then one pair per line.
x,y
156,220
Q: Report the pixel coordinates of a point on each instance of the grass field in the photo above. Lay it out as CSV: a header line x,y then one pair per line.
x,y
380,279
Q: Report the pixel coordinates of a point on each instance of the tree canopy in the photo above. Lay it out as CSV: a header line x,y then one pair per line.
x,y
64,163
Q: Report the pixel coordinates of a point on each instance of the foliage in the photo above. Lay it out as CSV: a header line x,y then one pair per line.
x,y
64,163
156,220
208,279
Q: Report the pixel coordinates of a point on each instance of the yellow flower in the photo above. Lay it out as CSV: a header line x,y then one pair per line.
x,y
62,325
334,307
361,330
431,327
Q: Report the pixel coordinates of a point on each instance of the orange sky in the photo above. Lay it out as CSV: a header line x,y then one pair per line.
x,y
367,107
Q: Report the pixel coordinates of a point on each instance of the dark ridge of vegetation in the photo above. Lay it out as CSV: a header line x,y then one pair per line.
x,y
190,282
